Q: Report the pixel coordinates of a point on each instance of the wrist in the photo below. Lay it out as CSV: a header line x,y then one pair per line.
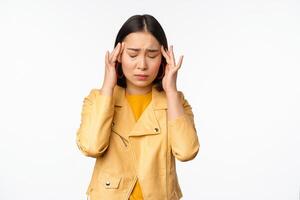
x,y
106,90
170,93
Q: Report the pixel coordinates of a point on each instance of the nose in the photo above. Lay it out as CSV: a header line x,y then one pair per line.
x,y
142,65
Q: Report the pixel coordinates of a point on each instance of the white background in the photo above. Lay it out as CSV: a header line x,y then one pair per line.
x,y
240,74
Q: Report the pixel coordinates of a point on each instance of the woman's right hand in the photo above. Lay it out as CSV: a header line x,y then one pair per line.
x,y
110,78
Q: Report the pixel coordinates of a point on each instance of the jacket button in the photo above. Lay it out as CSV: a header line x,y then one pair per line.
x,y
156,129
107,183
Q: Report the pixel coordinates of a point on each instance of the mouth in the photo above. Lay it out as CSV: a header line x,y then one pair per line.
x,y
141,76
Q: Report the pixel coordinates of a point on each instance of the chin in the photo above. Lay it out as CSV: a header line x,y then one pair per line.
x,y
141,83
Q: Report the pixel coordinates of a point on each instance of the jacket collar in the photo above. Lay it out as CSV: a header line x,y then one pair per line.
x,y
159,100
124,122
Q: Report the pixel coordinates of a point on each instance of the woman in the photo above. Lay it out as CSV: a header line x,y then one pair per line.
x,y
137,123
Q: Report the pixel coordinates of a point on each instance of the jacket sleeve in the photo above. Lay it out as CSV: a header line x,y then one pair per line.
x,y
93,135
183,135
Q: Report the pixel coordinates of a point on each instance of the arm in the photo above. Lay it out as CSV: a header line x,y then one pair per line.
x,y
183,135
93,134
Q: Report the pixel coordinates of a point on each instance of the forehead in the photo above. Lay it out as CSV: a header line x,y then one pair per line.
x,y
141,40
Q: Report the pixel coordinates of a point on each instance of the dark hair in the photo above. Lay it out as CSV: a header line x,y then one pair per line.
x,y
142,23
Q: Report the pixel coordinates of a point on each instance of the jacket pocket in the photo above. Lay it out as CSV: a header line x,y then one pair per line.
x,y
107,186
108,181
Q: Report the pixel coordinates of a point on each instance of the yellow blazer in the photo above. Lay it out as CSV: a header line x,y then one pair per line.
x,y
126,149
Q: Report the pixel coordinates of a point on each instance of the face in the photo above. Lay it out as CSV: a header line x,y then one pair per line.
x,y
141,59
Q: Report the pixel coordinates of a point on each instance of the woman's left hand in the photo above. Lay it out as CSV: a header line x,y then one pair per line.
x,y
171,69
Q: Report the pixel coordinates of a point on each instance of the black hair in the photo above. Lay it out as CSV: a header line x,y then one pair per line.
x,y
142,23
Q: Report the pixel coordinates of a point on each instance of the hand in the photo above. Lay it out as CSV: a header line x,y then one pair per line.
x,y
110,78
170,77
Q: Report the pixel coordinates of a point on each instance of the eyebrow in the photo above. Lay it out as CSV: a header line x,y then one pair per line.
x,y
150,50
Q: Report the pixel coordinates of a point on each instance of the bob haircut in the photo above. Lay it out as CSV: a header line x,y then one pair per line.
x,y
142,23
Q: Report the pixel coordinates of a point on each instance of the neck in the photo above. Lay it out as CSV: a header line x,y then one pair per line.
x,y
132,89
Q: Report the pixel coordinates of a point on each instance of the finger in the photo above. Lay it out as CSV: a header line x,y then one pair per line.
x,y
113,54
123,46
166,70
165,54
172,56
107,58
121,50
116,54
180,62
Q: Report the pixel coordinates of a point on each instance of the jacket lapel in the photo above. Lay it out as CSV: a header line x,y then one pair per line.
x,y
124,123
123,120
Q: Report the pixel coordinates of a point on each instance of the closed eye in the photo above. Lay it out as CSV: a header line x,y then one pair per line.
x,y
153,55
133,56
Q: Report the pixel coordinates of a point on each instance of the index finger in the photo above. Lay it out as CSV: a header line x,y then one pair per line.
x,y
164,53
121,50
115,53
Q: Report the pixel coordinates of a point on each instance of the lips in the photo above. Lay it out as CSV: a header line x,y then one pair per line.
x,y
141,75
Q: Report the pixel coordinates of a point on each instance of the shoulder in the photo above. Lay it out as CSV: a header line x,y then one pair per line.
x,y
92,93
181,95
96,91
183,99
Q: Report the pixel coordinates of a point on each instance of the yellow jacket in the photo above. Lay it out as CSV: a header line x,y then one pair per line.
x,y
126,150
